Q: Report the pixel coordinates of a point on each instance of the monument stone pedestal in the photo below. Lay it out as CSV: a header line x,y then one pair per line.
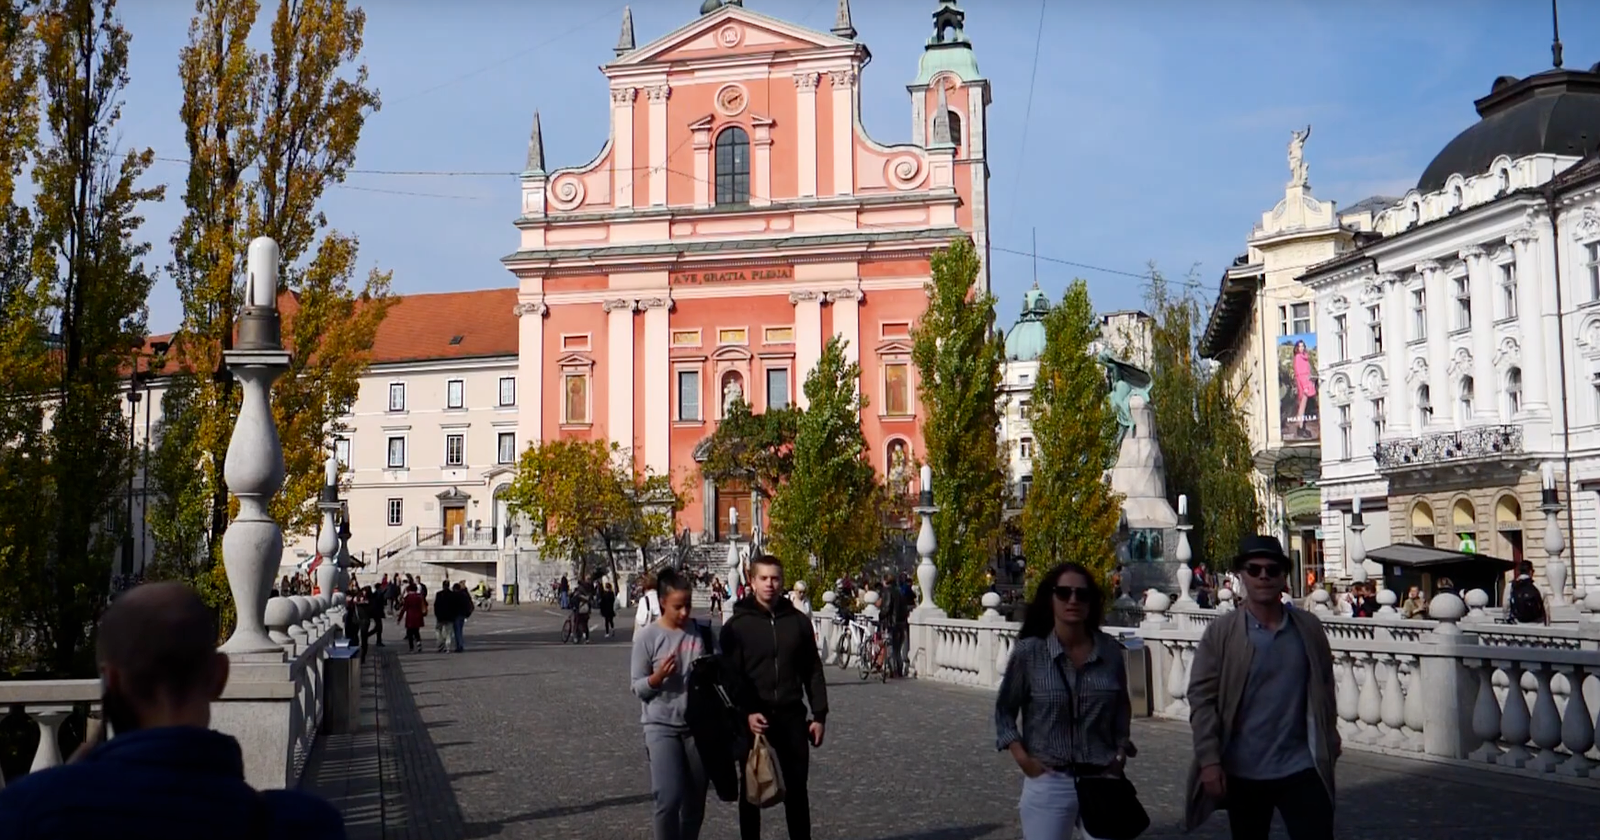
x,y
1147,544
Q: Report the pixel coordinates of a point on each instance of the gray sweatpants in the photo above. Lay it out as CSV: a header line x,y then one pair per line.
x,y
677,781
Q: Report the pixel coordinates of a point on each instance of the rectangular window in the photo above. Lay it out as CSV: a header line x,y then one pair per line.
x,y
508,390
733,336
1591,253
1374,329
1419,314
1379,422
397,453
897,389
1344,432
506,450
1508,290
1341,335
777,388
396,513
779,335
575,399
1463,304
689,395
1300,318
1025,448
1025,409
455,394
455,450
397,396
341,451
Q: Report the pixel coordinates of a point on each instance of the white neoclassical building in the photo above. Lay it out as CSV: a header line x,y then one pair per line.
x,y
1460,341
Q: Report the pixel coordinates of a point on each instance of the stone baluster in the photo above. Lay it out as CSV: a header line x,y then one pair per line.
x,y
1177,681
1577,727
1477,600
1321,602
297,631
1485,713
1345,695
1545,728
1225,600
1393,710
870,611
1156,604
1369,707
1415,712
1386,602
49,719
1515,721
280,614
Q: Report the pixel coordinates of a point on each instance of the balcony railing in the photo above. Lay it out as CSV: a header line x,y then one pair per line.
x,y
1447,447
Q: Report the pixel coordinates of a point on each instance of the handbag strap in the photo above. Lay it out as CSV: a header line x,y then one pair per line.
x,y
1072,701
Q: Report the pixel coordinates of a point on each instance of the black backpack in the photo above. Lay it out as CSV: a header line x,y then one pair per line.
x,y
721,735
1527,604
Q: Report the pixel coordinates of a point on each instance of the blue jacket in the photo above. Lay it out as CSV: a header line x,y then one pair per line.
x,y
172,783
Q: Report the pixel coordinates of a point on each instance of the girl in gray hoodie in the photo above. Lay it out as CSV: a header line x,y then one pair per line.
x,y
663,652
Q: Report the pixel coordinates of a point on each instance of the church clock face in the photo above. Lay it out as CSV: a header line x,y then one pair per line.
x,y
731,100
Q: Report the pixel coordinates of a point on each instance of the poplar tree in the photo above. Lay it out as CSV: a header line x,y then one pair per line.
x,y
1200,418
958,357
1071,513
267,132
831,508
86,260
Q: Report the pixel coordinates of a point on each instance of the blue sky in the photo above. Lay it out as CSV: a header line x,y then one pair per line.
x,y
1157,128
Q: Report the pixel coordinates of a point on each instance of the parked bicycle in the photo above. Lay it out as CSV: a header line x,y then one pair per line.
x,y
874,654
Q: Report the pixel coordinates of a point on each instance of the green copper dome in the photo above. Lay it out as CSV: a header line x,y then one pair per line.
x,y
1025,342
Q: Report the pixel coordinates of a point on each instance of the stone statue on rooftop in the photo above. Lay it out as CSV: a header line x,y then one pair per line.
x,y
710,6
1126,380
1298,171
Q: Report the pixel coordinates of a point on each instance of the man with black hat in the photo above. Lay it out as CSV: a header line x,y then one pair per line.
x,y
1262,709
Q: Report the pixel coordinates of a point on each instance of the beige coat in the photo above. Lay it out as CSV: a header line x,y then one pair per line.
x,y
1216,684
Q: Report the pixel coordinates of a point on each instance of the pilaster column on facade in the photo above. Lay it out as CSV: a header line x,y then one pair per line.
x,y
843,85
761,161
530,368
807,338
657,153
1435,295
1486,389
1530,317
847,320
805,93
622,146
619,371
1397,415
657,384
700,144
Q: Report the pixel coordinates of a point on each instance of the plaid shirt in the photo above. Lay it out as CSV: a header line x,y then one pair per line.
x,y
1086,722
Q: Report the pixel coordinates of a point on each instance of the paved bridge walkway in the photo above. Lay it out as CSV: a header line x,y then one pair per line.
x,y
523,737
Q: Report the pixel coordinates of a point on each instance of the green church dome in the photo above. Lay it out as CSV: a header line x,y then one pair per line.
x,y
1025,342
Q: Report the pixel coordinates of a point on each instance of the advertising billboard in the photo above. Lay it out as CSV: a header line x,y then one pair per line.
x,y
1297,389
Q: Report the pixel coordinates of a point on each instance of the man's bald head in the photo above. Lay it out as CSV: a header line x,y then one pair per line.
x,y
158,645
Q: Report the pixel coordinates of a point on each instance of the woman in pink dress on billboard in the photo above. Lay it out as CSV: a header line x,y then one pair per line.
x,y
1304,384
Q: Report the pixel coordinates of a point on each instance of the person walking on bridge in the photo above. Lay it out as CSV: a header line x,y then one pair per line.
x,y
1261,705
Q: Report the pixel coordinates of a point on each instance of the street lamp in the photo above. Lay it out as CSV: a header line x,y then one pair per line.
x,y
927,572
1357,550
1555,569
133,427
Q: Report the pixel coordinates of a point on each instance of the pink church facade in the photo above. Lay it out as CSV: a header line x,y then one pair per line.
x,y
738,216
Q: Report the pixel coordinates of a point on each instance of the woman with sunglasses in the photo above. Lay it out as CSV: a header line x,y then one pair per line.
x,y
1068,687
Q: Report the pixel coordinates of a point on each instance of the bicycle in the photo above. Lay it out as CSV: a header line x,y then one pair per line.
x,y
844,649
485,601
874,655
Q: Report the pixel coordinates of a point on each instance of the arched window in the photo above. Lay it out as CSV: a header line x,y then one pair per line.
x,y
733,167
955,128
1424,406
1464,401
1513,392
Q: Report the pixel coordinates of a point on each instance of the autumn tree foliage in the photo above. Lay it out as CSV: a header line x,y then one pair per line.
x,y
89,276
831,508
755,449
267,133
586,494
1071,513
958,356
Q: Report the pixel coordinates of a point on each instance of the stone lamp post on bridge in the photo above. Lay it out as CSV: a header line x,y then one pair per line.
x,y
1357,549
1555,569
252,546
1184,554
927,572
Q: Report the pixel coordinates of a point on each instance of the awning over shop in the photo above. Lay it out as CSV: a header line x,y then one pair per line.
x,y
1439,569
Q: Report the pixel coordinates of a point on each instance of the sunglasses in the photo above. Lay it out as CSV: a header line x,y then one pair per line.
x,y
1267,570
1068,594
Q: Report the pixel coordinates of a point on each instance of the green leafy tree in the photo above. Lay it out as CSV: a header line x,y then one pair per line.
x,y
1200,419
582,493
87,200
831,508
958,357
754,449
267,133
1071,513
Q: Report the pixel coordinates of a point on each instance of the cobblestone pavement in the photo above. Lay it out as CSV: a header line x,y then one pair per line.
x,y
523,737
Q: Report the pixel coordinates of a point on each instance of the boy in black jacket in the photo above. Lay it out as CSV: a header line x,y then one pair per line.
x,y
771,651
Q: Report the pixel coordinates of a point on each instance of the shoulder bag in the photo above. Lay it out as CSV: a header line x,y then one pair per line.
x,y
1108,806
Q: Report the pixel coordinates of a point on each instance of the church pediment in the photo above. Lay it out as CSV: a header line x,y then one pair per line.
x,y
730,31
